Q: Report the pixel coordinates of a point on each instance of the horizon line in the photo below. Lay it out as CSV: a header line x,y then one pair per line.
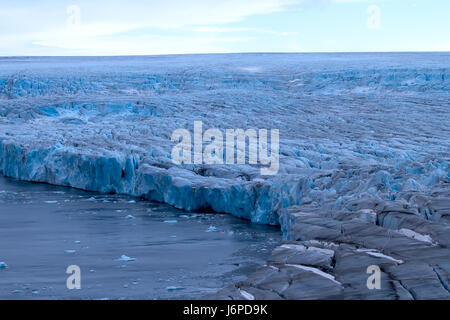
x,y
218,53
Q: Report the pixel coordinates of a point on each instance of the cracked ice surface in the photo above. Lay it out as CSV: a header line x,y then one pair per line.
x,y
353,128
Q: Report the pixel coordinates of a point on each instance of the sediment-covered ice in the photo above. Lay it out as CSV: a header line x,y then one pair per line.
x,y
356,130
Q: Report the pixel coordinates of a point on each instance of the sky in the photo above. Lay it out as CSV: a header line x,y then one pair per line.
x,y
146,27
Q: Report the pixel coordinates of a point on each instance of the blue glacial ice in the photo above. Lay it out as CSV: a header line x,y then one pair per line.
x,y
353,127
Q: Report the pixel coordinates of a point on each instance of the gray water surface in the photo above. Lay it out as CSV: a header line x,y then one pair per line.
x,y
178,255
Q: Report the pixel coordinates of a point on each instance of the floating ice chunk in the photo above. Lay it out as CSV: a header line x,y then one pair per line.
x,y
35,292
77,241
130,217
211,229
70,251
174,288
170,221
316,271
132,201
125,258
3,265
51,201
246,295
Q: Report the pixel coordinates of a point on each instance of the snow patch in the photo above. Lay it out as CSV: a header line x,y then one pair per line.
x,y
246,295
416,236
316,271
376,253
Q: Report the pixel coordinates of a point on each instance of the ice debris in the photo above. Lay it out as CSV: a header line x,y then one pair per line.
x,y
125,258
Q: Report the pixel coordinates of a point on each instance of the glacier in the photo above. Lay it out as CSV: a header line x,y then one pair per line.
x,y
356,130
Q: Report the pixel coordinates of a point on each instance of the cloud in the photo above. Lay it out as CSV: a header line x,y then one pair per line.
x,y
141,45
46,24
353,1
215,29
